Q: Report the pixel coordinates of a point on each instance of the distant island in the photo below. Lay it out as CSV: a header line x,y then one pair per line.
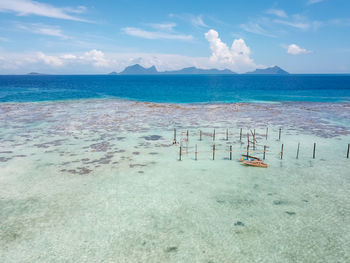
x,y
269,71
140,70
35,73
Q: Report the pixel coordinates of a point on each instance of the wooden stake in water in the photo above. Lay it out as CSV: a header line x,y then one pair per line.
x,y
347,155
180,153
298,150
264,152
279,134
213,152
240,135
230,152
174,141
247,150
254,140
267,130
195,153
248,139
214,135
226,134
187,135
282,151
200,135
313,155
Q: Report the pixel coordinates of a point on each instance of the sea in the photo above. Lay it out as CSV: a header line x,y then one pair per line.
x,y
111,168
178,88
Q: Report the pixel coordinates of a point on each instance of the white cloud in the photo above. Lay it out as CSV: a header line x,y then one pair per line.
x,y
295,24
195,20
43,30
137,32
277,12
237,57
311,2
254,27
198,21
29,7
68,56
50,60
164,26
294,49
300,22
97,58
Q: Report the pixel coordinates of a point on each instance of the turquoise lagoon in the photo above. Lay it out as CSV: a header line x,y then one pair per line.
x,y
99,180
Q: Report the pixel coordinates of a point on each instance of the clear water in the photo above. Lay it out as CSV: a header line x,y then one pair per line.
x,y
98,180
178,89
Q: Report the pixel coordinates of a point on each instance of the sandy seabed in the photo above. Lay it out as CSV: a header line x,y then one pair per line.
x,y
99,180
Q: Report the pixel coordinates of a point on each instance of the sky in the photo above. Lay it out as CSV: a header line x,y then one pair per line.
x,y
97,37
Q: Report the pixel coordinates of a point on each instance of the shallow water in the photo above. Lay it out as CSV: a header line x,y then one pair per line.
x,y
100,181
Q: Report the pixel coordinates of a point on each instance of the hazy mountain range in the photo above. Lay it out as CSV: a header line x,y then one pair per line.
x,y
139,70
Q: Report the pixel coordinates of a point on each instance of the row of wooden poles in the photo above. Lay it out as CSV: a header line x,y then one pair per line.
x,y
213,135
264,152
248,145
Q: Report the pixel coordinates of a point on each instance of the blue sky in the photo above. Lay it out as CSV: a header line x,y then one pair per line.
x,y
83,37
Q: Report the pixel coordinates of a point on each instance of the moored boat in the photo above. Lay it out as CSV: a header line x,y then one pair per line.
x,y
253,161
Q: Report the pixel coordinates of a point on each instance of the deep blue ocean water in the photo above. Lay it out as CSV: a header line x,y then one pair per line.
x,y
178,88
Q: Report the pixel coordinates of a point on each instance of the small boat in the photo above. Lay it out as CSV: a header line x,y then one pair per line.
x,y
249,158
253,161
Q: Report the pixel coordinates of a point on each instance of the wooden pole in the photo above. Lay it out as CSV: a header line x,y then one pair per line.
x,y
230,152
282,151
313,154
279,134
187,135
347,155
264,151
195,153
174,141
248,138
247,150
254,140
298,150
200,135
267,130
226,134
213,152
180,153
214,135
240,135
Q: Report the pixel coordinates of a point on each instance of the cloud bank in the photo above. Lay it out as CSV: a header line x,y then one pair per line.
x,y
237,58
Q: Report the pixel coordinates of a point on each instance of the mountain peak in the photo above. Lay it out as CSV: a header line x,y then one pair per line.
x,y
137,69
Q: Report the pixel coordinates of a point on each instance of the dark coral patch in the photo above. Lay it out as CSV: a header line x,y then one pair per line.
x,y
136,165
171,249
290,213
239,223
152,137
